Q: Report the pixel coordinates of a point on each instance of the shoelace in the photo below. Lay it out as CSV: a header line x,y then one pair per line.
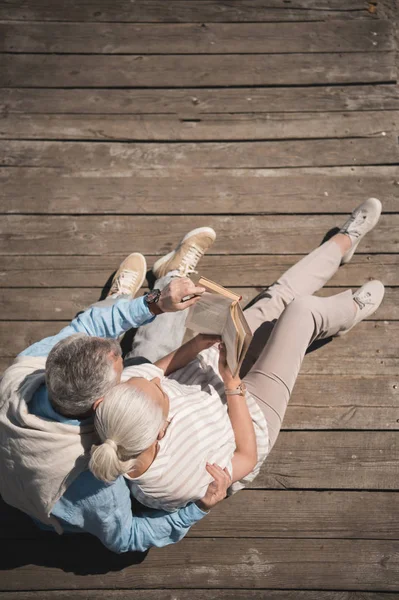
x,y
124,282
190,260
354,222
362,299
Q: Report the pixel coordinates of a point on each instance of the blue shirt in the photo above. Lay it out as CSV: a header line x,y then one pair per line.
x,y
89,505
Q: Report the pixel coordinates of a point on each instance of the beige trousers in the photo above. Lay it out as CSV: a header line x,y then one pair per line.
x,y
285,319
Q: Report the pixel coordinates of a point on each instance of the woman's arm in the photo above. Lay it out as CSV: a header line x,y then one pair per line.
x,y
245,457
185,354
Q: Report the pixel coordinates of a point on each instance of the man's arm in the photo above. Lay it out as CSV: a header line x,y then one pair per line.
x,y
105,511
112,321
108,322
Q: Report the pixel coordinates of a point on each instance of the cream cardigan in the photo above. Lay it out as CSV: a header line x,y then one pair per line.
x,y
39,458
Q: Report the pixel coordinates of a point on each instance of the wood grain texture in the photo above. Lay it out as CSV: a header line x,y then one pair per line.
x,y
233,191
62,304
177,11
205,563
116,158
199,101
254,271
210,127
110,235
332,460
181,594
198,38
272,514
52,70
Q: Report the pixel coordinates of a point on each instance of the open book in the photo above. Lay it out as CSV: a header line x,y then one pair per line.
x,y
218,312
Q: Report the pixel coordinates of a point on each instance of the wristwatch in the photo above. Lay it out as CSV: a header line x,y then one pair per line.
x,y
239,391
152,299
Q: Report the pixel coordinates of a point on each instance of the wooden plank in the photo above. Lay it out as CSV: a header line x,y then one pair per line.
x,y
199,101
344,402
332,460
59,304
315,190
249,270
197,38
205,563
181,594
246,126
271,514
52,70
117,158
175,11
95,235
371,350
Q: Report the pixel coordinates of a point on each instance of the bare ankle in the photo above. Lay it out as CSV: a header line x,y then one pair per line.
x,y
343,241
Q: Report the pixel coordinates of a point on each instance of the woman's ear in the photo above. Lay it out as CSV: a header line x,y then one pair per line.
x,y
97,402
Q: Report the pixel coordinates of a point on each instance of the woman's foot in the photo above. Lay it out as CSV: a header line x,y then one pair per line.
x,y
186,256
366,301
361,221
129,277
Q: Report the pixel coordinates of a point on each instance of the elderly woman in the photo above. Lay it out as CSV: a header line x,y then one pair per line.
x,y
169,419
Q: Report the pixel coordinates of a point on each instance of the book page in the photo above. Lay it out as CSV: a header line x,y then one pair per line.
x,y
230,338
209,314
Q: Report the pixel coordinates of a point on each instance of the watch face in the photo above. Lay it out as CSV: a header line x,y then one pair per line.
x,y
153,296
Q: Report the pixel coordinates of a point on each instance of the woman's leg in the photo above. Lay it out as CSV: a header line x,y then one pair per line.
x,y
304,278
272,378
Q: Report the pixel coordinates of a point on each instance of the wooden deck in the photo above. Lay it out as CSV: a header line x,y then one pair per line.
x,y
125,124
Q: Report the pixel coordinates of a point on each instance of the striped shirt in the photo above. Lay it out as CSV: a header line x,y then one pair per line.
x,y
199,431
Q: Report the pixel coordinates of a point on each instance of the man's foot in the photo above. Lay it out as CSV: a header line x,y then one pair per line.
x,y
361,221
187,254
130,276
367,299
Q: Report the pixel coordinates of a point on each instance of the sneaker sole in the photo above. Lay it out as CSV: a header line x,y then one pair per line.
x,y
164,259
352,251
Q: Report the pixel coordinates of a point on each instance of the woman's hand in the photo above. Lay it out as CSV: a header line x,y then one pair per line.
x,y
230,382
203,341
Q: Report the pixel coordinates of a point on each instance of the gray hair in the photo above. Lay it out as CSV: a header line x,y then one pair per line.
x,y
128,422
79,371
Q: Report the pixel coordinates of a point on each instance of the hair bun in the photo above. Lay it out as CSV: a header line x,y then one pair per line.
x,y
111,443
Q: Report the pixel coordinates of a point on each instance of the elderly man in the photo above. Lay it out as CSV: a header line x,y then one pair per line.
x,y
46,408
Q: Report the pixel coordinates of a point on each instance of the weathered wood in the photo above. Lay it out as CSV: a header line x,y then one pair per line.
x,y
205,563
181,594
332,460
209,127
175,11
271,514
61,304
199,101
247,270
128,158
317,190
146,38
95,235
375,348
52,70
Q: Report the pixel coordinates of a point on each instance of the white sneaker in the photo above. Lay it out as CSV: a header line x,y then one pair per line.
x,y
186,256
361,221
368,298
130,276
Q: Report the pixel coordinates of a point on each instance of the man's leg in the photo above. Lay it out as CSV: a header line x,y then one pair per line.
x,y
272,378
161,336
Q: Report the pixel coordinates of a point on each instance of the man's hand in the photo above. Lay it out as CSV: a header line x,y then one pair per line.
x,y
173,294
217,489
